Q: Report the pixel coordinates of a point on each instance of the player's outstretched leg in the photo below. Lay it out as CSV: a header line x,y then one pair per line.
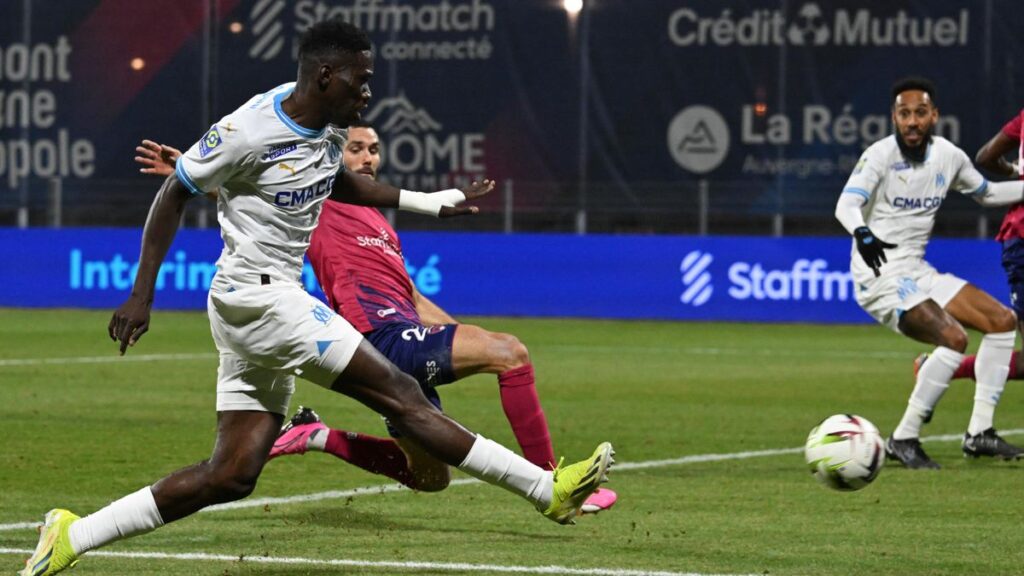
x,y
476,350
54,553
371,379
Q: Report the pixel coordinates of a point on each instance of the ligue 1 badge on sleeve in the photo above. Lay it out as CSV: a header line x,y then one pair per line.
x,y
210,141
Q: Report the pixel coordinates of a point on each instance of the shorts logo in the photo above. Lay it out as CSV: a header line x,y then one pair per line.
x,y
906,287
322,314
210,141
420,333
431,369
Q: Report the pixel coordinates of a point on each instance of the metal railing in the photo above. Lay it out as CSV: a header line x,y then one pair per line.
x,y
698,208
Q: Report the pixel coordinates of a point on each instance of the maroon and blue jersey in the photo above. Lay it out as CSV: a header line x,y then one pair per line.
x,y
1013,222
358,260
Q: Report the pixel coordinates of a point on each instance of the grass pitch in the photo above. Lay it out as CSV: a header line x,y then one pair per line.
x,y
82,427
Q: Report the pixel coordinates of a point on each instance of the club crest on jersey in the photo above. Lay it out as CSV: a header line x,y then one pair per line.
x,y
210,141
940,181
333,152
278,150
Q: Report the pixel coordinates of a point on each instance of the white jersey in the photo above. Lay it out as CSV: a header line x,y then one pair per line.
x,y
272,175
903,197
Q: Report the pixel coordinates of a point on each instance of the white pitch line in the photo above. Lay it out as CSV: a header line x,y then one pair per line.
x,y
446,566
106,359
619,467
692,350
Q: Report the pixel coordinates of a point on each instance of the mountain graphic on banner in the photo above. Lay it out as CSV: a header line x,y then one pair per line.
x,y
400,115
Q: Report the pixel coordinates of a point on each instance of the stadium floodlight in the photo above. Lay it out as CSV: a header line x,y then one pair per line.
x,y
573,7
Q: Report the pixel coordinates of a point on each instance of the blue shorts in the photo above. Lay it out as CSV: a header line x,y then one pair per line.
x,y
1013,264
423,352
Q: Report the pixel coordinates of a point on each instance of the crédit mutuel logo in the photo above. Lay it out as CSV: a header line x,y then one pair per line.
x,y
419,154
424,30
811,26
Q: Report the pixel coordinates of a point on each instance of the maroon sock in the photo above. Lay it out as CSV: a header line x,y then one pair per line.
x,y
1014,374
377,455
522,408
966,368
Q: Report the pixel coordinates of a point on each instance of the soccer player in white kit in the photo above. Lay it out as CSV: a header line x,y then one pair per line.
x,y
275,160
889,206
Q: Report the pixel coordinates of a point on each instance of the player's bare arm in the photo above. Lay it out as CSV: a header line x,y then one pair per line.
x,y
992,155
361,190
131,320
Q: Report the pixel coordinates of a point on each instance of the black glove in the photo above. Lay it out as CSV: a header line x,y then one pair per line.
x,y
871,248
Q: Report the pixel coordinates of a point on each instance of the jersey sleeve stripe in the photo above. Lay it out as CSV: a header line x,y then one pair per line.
x,y
858,192
179,171
981,189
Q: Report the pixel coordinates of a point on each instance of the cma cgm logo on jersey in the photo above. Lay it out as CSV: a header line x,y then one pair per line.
x,y
810,26
455,29
804,280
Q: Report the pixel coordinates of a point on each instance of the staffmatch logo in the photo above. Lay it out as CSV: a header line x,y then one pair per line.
x,y
267,29
696,278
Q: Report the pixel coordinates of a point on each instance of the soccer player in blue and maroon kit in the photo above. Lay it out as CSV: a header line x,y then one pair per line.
x,y
358,260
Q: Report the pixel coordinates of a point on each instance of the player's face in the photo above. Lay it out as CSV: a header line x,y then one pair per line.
x,y
349,89
914,115
362,151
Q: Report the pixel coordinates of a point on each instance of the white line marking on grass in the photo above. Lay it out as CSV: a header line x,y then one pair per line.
x,y
445,566
619,467
106,359
692,350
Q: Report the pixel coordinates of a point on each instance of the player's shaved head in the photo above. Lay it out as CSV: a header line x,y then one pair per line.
x,y
330,41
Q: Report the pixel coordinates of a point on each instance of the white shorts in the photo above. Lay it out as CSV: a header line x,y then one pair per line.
x,y
887,297
267,335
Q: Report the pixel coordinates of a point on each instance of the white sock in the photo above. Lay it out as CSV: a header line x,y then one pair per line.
x,y
317,440
932,381
990,370
134,514
495,464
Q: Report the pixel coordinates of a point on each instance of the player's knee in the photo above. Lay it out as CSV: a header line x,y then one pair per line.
x,y
954,338
511,352
230,483
1004,321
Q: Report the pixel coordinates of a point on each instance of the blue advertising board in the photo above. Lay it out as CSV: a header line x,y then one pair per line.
x,y
652,277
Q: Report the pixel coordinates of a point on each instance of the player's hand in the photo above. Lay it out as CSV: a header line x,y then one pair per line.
x,y
129,322
871,248
474,190
157,159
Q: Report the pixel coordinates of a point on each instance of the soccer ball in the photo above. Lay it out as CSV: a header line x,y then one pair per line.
x,y
845,452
